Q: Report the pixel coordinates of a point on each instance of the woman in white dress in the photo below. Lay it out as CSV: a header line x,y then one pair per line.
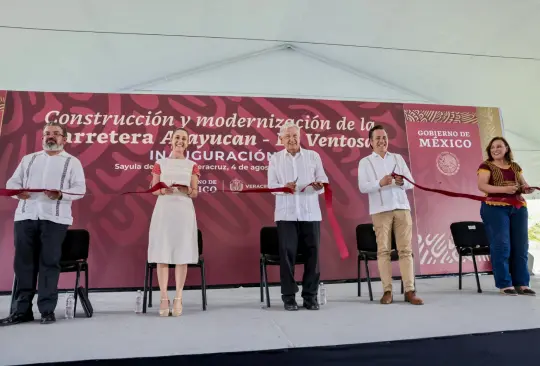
x,y
173,228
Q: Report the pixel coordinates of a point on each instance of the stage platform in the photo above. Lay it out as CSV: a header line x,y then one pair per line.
x,y
235,322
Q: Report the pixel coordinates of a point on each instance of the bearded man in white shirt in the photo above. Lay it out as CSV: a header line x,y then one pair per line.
x,y
298,216
41,223
390,211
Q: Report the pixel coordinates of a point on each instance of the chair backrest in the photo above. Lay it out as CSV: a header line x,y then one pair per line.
x,y
366,240
200,241
469,234
269,240
76,245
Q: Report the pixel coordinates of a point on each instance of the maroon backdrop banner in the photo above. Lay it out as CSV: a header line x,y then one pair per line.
x,y
118,138
447,155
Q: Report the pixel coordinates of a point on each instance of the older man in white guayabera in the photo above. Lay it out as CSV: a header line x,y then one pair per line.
x,y
298,215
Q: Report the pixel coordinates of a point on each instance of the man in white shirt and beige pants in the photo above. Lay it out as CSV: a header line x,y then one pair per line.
x,y
41,223
390,211
298,216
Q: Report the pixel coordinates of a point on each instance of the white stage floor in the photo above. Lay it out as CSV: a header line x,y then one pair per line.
x,y
235,321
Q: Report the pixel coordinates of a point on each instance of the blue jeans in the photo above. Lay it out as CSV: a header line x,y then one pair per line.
x,y
507,232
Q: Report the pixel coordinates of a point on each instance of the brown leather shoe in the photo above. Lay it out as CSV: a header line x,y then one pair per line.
x,y
387,298
410,296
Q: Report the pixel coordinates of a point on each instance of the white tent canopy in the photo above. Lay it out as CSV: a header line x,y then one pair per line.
x,y
482,52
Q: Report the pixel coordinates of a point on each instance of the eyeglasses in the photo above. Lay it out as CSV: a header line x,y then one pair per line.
x,y
55,134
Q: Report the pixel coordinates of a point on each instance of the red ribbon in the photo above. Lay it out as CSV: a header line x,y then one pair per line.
x,y
262,190
511,201
340,242
4,192
157,187
338,235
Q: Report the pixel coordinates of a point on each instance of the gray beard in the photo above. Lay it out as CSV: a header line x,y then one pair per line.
x,y
52,147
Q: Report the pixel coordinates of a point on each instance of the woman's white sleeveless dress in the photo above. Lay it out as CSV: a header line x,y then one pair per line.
x,y
173,227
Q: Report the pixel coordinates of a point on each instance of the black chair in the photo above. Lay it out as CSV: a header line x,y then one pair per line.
x,y
269,242
74,258
149,274
470,240
366,243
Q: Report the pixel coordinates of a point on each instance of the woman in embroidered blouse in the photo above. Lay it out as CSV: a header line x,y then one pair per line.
x,y
173,228
500,177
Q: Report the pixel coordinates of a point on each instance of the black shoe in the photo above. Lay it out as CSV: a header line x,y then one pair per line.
x,y
17,318
48,318
311,304
290,305
525,291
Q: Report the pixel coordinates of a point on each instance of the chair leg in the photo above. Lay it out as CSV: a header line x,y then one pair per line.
x,y
402,289
150,287
261,279
145,288
476,274
460,269
368,279
203,285
86,278
75,292
359,278
265,278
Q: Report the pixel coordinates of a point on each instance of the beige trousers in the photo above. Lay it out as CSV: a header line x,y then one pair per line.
x,y
400,221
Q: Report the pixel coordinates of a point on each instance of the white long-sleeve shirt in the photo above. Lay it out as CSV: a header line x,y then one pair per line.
x,y
58,172
371,170
305,167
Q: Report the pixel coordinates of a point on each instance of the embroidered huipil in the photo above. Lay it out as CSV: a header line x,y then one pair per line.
x,y
58,172
371,170
502,177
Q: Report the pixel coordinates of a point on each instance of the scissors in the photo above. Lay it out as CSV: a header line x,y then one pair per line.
x,y
296,180
392,174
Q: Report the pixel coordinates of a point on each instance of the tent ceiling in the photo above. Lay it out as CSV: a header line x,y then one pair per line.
x,y
491,27
482,52
136,41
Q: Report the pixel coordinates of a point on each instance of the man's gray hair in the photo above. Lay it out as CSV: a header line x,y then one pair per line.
x,y
288,125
